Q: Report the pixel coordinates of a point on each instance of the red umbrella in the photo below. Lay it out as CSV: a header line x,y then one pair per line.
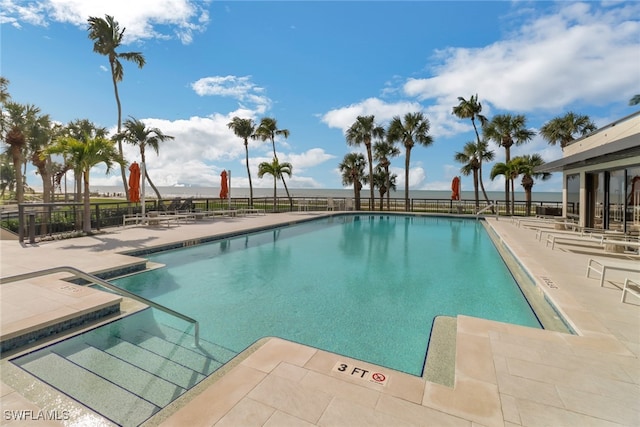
x,y
134,182
455,188
224,187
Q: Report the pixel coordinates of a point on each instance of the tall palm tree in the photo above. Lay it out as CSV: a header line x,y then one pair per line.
x,y
41,134
352,168
267,130
276,169
635,100
107,38
414,129
527,165
382,151
384,183
84,155
136,133
362,131
507,130
564,129
244,128
510,170
471,109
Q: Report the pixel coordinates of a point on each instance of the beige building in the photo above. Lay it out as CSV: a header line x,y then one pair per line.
x,y
601,176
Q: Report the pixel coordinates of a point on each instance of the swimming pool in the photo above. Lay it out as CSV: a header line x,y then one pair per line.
x,y
365,286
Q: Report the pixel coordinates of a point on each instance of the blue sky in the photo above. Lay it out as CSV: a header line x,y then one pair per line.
x,y
315,66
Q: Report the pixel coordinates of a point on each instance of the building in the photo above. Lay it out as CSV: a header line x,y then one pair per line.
x,y
601,176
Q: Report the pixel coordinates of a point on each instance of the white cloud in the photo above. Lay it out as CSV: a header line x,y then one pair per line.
x,y
143,19
343,118
240,88
574,55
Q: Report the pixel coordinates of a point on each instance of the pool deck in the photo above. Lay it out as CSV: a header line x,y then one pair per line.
x,y
505,375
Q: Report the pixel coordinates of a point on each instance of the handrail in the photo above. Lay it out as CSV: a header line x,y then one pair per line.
x,y
489,206
101,282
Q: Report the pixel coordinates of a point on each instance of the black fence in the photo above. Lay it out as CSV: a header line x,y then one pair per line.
x,y
38,221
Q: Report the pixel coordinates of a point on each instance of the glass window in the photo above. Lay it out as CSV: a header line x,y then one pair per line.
x,y
633,197
573,194
616,198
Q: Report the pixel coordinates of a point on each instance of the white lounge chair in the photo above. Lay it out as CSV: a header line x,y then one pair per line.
x,y
601,267
635,291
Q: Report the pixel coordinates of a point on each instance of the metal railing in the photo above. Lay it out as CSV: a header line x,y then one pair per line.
x,y
39,221
93,279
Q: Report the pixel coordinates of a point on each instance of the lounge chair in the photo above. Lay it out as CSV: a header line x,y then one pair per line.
x,y
601,267
635,291
330,204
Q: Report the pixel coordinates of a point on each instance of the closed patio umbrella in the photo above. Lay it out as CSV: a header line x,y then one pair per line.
x,y
134,182
455,188
224,187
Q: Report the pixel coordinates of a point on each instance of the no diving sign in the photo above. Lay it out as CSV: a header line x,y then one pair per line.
x,y
369,375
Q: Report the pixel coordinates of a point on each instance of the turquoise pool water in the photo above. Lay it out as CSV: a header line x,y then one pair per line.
x,y
365,286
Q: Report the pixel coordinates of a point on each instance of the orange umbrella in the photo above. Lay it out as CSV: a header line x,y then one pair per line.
x,y
455,188
224,188
134,182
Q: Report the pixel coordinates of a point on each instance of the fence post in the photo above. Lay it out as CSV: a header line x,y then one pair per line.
x,y
21,225
32,227
98,217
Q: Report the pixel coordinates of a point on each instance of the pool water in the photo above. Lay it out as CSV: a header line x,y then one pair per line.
x,y
365,286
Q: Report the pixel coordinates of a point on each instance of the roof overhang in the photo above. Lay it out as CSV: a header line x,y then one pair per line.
x,y
620,149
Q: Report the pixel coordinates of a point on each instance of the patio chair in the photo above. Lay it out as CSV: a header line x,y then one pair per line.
x,y
635,291
330,204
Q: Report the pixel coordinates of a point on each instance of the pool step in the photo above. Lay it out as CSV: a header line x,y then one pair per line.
x,y
127,370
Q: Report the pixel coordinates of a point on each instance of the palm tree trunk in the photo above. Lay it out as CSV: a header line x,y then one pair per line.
x,y
275,182
146,174
246,150
287,190
86,224
484,192
406,178
388,183
19,182
475,189
370,159
115,89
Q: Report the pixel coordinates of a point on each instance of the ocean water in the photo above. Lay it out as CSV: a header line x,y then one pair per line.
x,y
169,192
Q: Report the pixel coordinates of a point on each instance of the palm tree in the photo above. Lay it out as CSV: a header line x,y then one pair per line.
x,y
510,170
4,98
469,158
267,130
107,37
565,128
384,183
276,169
136,133
84,155
20,122
527,165
635,100
382,151
414,129
244,128
362,131
41,135
507,130
82,130
471,109
352,168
